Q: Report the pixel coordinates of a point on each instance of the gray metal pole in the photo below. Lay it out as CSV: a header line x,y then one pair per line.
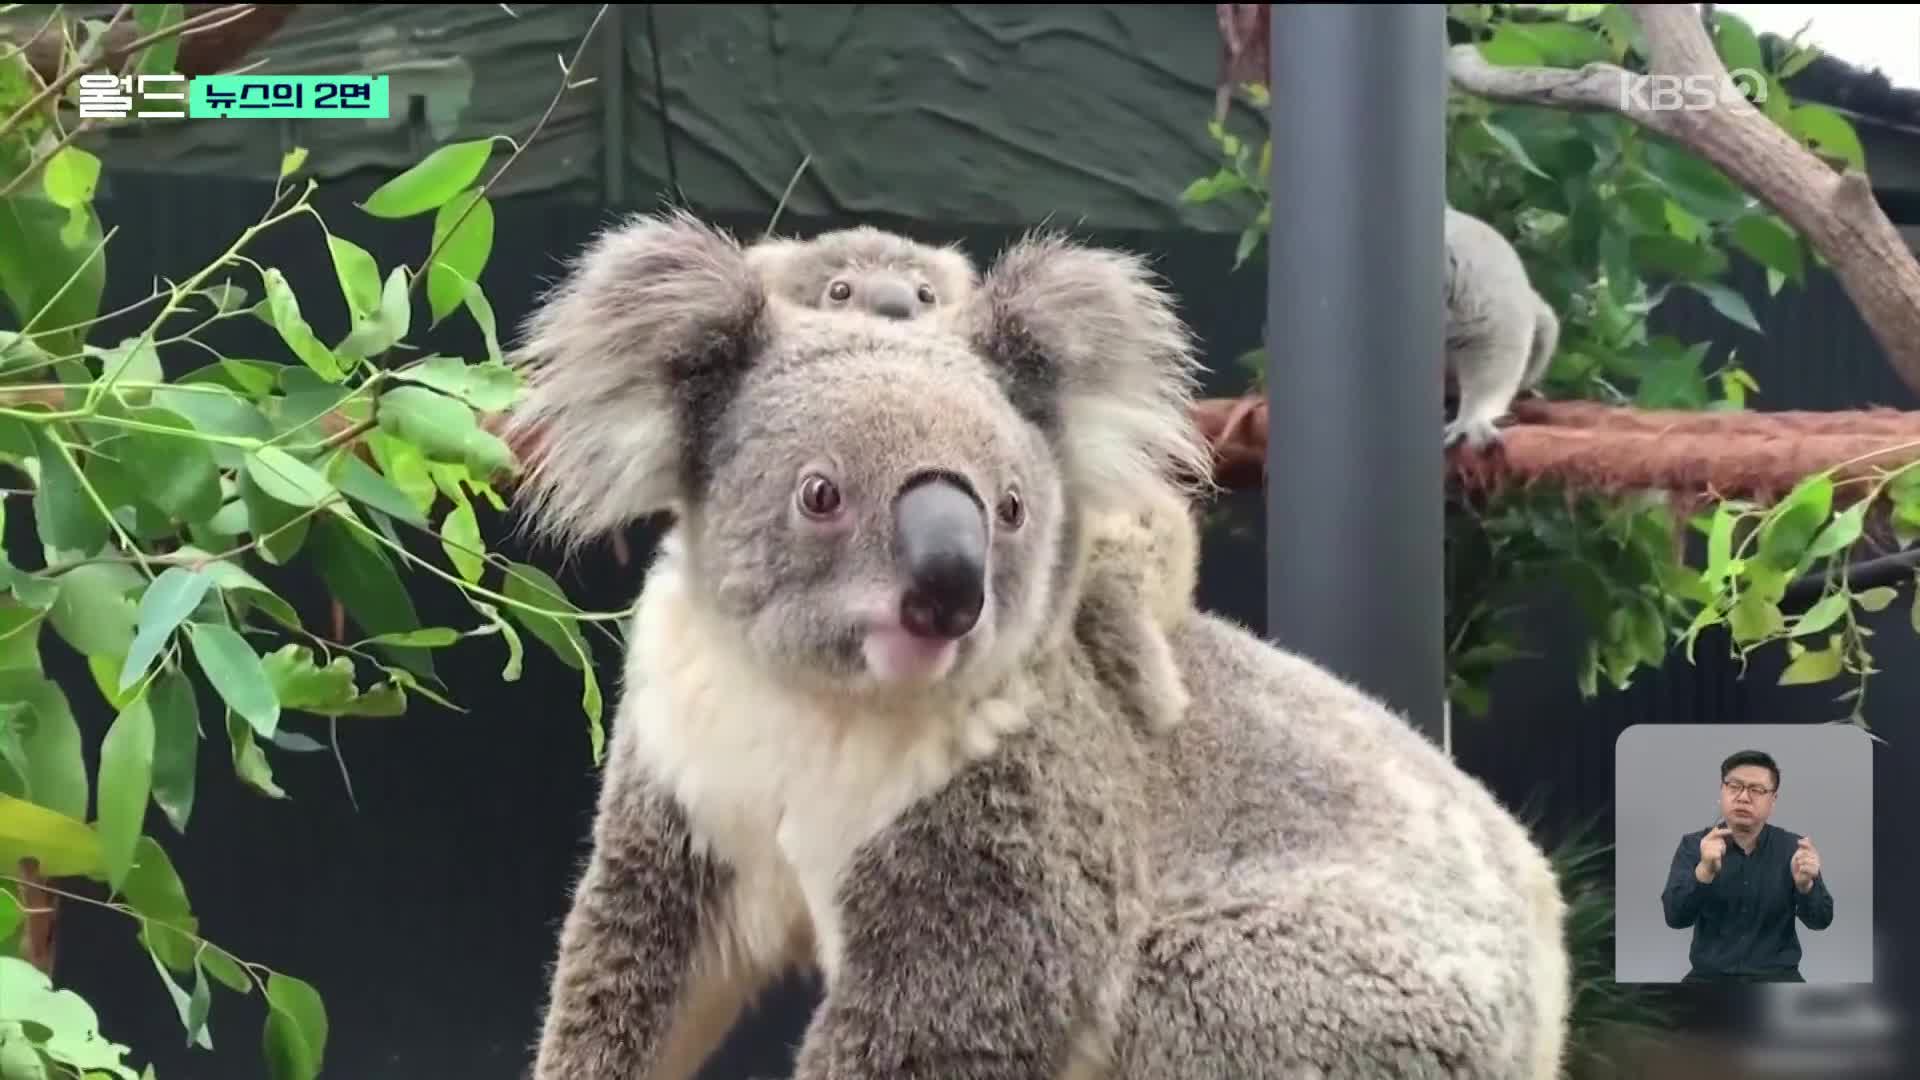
x,y
1355,327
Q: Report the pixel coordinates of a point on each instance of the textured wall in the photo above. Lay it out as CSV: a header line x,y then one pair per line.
x,y
960,113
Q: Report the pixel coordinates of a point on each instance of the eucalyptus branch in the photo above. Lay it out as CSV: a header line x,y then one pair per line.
x,y
251,968
566,79
204,21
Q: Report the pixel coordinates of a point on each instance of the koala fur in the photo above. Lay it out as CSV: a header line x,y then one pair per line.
x,y
997,872
1501,334
1144,563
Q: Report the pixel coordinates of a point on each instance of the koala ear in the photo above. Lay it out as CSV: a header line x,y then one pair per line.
x,y
1090,346
769,254
624,361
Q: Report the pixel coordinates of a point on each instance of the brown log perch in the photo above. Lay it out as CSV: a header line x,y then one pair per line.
x,y
1836,212
1590,448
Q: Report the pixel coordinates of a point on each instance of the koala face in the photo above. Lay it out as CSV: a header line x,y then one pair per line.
x,y
866,506
868,270
877,516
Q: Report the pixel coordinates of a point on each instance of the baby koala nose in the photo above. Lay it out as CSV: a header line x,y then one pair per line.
x,y
890,299
940,535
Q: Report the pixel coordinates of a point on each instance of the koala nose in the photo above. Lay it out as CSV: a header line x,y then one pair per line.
x,y
890,298
940,536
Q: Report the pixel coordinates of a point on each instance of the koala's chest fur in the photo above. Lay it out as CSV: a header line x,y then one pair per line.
x,y
784,789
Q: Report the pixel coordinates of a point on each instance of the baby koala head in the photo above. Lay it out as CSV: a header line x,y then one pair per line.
x,y
864,506
865,269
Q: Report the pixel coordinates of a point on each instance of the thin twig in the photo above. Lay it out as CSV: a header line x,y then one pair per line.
x,y
426,268
208,20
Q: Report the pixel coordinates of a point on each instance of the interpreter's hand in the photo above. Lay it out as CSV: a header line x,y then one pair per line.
x,y
1806,865
1713,850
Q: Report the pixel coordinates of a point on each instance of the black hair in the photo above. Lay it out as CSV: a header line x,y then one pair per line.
x,y
1751,757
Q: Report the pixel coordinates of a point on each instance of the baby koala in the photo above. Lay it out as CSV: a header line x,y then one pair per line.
x,y
865,269
1144,567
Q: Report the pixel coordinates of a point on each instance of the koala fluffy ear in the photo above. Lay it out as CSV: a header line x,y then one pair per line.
x,y
623,361
1091,347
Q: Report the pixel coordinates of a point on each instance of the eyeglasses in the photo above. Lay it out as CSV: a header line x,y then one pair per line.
x,y
1735,787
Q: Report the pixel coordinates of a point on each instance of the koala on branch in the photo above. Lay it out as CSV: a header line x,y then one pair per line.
x,y
862,732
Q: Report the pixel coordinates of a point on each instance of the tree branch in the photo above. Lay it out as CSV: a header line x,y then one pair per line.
x,y
1835,212
210,52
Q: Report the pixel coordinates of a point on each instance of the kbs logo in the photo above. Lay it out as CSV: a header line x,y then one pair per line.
x,y
1677,93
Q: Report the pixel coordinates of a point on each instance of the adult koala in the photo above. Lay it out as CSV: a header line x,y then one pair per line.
x,y
858,733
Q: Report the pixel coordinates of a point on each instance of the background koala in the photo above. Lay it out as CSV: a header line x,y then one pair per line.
x,y
857,731
1501,334
1144,563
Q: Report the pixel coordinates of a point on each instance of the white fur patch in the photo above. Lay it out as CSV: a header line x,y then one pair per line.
x,y
783,787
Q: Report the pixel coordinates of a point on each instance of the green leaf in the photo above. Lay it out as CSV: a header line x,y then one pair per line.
x,y
443,428
530,586
1735,40
359,276
296,1031
177,474
176,745
488,386
482,311
443,174
1813,666
191,1007
68,520
1840,533
291,161
515,649
39,255
126,782
249,762
357,480
56,774
1876,599
1821,616
165,605
1508,47
70,177
1772,245
1913,614
1727,302
1698,185
95,612
1562,44
284,309
287,478
234,670
1511,144
73,1038
19,1060
1754,618
64,846
1791,528
460,539
464,251
380,331
11,916
158,58
1828,132
358,572
430,637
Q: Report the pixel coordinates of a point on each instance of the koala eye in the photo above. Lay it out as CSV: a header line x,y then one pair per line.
x,y
1012,511
818,497
839,290
926,294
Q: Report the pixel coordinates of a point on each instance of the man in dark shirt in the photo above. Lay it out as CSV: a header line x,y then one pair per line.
x,y
1741,883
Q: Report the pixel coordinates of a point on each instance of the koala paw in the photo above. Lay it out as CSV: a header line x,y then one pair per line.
x,y
1477,434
